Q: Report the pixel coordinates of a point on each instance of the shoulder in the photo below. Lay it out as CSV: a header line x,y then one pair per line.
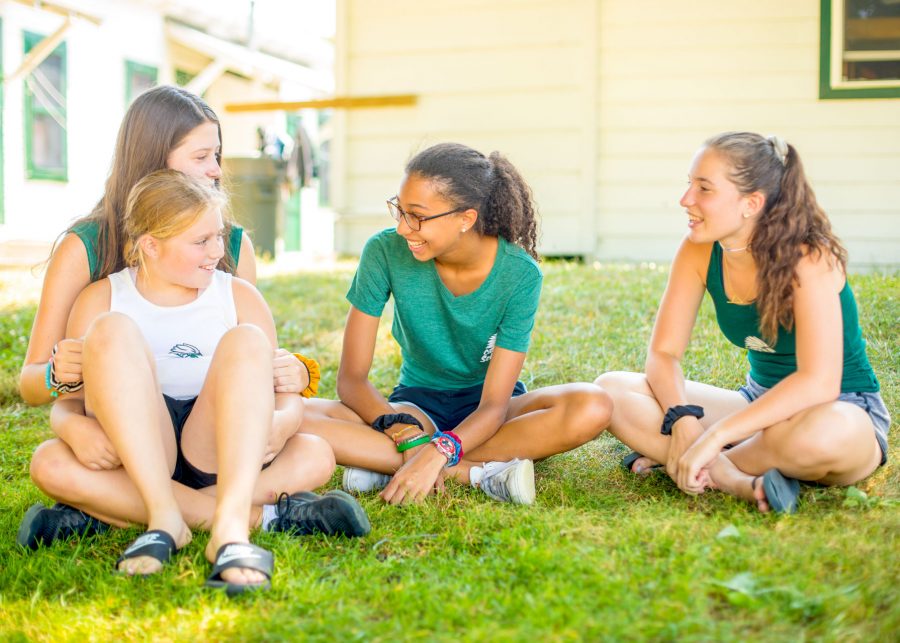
x,y
693,258
819,270
387,239
69,262
244,292
518,260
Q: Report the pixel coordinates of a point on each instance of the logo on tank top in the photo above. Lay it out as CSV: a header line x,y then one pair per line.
x,y
489,349
756,344
185,350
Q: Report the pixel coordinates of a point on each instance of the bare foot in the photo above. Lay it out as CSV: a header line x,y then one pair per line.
x,y
759,494
643,465
173,525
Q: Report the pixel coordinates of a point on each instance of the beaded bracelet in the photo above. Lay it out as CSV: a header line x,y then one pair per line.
x,y
398,436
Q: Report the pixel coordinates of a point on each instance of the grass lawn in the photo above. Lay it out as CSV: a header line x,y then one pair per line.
x,y
602,555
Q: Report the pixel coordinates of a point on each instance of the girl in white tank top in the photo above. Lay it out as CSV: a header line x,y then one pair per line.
x,y
178,373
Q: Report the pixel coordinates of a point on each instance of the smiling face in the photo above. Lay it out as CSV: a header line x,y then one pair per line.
x,y
196,154
418,197
188,259
716,210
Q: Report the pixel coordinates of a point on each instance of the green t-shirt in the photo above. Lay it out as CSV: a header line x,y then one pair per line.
x,y
771,364
89,233
446,341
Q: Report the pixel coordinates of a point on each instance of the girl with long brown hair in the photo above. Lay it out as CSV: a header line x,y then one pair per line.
x,y
810,410
165,127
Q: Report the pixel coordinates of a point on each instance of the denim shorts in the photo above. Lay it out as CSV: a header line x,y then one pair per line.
x,y
445,408
871,403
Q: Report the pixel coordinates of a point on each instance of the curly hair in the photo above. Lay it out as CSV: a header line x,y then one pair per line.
x,y
791,223
491,185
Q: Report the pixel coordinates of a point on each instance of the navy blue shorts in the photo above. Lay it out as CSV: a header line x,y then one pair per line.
x,y
186,473
871,403
445,408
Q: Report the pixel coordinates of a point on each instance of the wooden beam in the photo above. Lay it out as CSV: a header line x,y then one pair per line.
x,y
62,11
338,102
39,53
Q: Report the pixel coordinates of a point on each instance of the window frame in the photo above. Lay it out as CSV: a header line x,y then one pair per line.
x,y
32,170
831,49
132,67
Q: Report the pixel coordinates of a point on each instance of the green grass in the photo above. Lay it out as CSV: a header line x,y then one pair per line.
x,y
602,555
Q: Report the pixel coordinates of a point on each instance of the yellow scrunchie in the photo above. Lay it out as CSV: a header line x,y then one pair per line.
x,y
315,374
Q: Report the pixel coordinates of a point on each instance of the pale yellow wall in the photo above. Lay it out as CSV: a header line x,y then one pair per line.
x,y
514,76
670,74
602,105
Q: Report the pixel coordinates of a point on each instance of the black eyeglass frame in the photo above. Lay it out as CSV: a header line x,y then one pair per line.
x,y
394,207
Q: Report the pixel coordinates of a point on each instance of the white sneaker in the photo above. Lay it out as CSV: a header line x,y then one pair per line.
x,y
357,480
511,481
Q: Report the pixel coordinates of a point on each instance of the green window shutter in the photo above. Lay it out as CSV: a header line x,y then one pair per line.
x,y
46,153
138,79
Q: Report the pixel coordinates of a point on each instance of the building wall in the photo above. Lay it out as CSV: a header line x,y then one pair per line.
x,y
602,104
38,210
508,75
670,75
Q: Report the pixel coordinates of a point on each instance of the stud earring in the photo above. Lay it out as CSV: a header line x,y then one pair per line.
x,y
746,215
464,229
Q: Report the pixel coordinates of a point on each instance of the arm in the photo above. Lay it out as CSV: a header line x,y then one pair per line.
x,y
246,266
252,309
417,477
67,275
671,335
818,326
353,386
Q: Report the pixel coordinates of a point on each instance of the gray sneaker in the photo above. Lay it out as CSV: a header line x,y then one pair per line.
x,y
357,480
511,481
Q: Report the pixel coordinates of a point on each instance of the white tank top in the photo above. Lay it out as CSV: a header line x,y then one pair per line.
x,y
181,338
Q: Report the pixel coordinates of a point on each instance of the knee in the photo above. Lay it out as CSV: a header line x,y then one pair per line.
x,y
51,469
617,383
248,341
314,457
110,330
588,409
823,437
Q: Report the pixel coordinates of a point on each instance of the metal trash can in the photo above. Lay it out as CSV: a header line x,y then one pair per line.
x,y
254,189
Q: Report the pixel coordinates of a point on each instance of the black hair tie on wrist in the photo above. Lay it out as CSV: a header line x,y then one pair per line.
x,y
384,422
675,413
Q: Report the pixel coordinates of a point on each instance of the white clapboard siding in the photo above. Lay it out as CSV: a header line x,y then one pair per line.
x,y
515,76
602,104
671,74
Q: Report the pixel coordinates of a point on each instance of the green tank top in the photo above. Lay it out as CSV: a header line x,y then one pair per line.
x,y
89,233
771,364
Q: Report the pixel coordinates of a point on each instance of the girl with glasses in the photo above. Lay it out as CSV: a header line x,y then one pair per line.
x,y
763,248
461,266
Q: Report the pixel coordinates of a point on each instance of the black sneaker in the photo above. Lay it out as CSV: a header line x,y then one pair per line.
x,y
45,525
307,513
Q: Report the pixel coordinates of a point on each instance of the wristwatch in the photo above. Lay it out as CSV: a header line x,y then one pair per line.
x,y
445,446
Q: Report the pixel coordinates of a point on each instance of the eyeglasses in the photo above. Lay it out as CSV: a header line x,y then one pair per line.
x,y
413,221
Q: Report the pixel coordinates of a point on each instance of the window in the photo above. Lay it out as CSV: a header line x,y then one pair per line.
x,y
45,115
860,49
138,79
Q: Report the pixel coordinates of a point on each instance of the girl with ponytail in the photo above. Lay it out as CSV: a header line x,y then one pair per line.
x,y
462,267
763,248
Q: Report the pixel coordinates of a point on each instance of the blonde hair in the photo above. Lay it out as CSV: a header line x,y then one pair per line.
x,y
164,204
